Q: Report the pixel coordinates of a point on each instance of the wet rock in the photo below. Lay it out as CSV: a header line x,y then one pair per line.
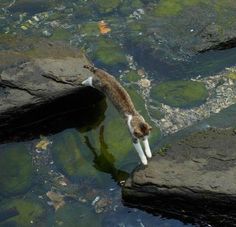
x,y
180,93
43,73
192,34
102,205
193,178
57,199
16,170
30,212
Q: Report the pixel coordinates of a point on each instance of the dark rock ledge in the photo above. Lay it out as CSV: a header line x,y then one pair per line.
x,y
195,180
43,80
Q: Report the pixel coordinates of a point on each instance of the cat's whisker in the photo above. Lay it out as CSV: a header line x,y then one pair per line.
x,y
140,152
147,147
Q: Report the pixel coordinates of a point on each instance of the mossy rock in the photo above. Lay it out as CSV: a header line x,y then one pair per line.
x,y
131,76
30,212
109,53
61,34
16,170
68,156
180,93
89,29
107,6
173,7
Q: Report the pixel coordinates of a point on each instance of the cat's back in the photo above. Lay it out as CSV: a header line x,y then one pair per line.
x,y
114,90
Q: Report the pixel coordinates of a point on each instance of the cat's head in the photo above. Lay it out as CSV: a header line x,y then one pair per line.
x,y
139,127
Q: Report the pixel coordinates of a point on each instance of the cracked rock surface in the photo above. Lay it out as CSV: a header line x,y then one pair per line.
x,y
43,73
196,173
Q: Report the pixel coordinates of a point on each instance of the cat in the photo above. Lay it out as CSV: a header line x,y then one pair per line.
x,y
138,127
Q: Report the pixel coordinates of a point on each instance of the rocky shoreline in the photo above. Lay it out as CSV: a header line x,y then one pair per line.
x,y
47,83
192,179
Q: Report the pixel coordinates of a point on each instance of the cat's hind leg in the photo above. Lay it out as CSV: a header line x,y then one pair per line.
x,y
88,82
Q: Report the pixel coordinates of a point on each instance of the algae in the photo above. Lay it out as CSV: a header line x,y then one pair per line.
x,y
69,158
131,76
173,7
231,75
89,29
107,6
180,93
61,34
30,212
16,170
109,53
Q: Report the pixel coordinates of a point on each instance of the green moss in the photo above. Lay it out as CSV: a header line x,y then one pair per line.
x,y
61,34
68,156
16,170
231,75
29,211
131,76
180,93
162,151
107,6
129,6
90,29
173,7
109,53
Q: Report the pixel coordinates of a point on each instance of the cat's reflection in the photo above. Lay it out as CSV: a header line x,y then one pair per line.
x,y
104,161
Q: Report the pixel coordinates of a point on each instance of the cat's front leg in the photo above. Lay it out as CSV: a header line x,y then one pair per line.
x,y
139,150
147,147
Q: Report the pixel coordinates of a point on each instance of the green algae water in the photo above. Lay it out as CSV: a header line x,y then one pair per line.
x,y
72,176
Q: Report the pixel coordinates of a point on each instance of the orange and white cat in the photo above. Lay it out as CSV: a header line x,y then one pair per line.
x,y
138,127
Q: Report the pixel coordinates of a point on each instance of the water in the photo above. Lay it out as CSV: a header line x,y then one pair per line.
x,y
85,160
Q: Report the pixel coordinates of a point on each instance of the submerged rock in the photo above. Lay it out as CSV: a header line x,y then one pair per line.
x,y
180,93
193,178
176,31
30,212
16,170
109,53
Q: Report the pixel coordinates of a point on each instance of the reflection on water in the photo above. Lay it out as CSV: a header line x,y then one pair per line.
x,y
89,152
105,161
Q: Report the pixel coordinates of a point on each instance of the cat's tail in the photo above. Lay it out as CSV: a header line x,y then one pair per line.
x,y
90,68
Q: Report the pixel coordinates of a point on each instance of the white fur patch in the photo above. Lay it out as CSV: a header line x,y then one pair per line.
x,y
88,82
140,153
147,147
130,117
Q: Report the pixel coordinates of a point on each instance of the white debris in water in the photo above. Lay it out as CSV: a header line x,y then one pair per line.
x,y
95,200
